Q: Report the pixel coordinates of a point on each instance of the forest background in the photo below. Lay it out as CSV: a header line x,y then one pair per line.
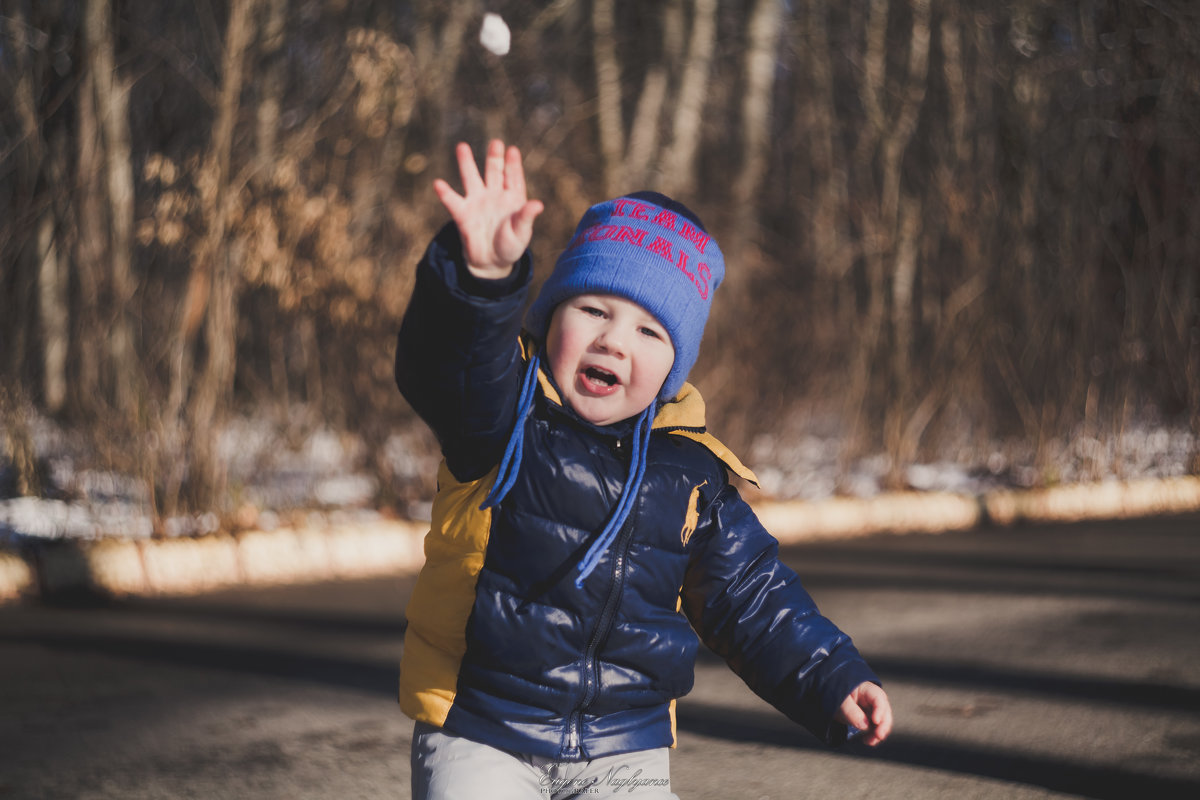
x,y
957,232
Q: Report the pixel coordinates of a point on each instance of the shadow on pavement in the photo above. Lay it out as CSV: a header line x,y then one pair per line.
x,y
1142,694
390,626
1089,780
717,721
340,673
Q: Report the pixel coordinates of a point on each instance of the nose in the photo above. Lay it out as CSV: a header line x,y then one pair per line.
x,y
610,340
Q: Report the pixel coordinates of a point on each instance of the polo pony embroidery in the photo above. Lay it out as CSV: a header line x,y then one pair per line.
x,y
693,515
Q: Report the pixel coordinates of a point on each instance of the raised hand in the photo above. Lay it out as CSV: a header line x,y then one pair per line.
x,y
494,215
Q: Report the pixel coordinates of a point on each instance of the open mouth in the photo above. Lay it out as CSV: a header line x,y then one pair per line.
x,y
601,376
599,381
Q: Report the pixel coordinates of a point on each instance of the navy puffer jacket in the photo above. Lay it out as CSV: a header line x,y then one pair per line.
x,y
501,647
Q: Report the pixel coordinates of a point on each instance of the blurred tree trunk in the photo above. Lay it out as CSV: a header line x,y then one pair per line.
x,y
438,50
19,448
871,86
832,249
627,162
53,283
40,179
679,163
644,132
890,222
762,55
1178,296
28,160
114,194
90,251
1036,309
902,216
272,83
272,67
608,96
951,312
215,282
735,366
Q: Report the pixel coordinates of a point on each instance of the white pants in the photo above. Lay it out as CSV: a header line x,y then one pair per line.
x,y
449,767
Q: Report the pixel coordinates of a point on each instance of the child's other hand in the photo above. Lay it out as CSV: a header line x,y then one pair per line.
x,y
867,708
494,216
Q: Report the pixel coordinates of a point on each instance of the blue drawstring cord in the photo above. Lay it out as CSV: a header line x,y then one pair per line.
x,y
637,470
510,464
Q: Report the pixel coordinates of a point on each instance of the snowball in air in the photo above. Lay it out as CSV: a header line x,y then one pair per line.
x,y
494,35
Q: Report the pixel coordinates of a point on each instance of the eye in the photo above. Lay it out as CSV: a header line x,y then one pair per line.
x,y
591,311
651,332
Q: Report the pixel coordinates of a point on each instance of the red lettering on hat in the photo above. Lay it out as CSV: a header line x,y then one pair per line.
x,y
683,267
662,247
626,233
666,219
598,233
616,233
694,236
629,208
659,246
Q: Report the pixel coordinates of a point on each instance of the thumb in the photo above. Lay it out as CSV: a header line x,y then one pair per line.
x,y
853,715
522,221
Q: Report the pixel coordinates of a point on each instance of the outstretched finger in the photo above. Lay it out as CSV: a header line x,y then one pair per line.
x,y
514,171
494,164
881,716
472,182
451,200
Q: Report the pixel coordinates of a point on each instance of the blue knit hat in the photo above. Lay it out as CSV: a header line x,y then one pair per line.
x,y
647,248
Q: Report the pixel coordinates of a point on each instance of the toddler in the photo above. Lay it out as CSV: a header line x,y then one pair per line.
x,y
584,529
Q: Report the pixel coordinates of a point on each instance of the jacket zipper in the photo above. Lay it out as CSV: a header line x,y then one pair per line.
x,y
591,674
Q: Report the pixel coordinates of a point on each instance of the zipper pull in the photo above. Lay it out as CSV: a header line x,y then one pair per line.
x,y
572,740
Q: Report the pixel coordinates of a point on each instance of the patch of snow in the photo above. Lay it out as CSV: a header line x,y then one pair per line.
x,y
798,464
407,458
345,490
47,519
942,476
277,468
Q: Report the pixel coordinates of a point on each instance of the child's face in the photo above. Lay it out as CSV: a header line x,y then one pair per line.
x,y
608,355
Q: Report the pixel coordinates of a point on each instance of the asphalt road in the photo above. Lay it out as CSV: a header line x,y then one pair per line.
x,y
1023,663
